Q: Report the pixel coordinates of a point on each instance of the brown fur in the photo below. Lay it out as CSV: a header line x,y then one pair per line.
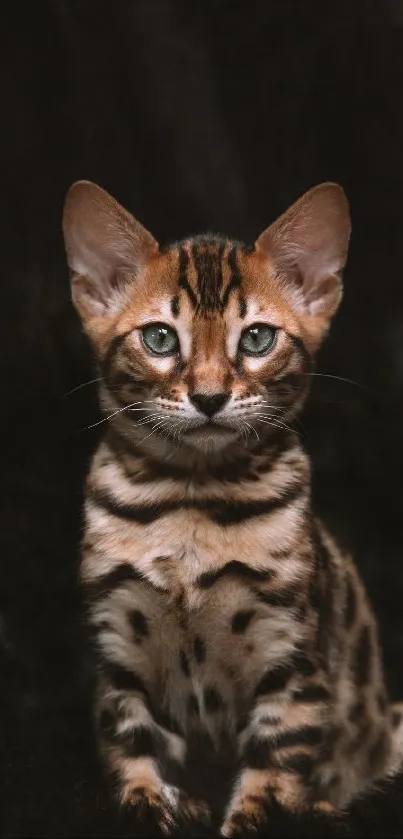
x,y
221,607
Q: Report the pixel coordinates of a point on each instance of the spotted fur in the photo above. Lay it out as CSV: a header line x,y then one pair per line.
x,y
220,607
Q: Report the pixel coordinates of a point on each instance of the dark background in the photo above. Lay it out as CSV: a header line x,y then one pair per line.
x,y
197,116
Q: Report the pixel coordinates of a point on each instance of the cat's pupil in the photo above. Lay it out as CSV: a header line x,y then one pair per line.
x,y
162,336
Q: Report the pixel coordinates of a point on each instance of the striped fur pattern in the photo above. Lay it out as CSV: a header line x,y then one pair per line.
x,y
221,610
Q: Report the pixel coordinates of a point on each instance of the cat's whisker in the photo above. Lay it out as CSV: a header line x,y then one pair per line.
x,y
139,409
296,419
175,425
153,418
111,416
181,424
241,426
336,378
246,429
268,417
175,430
267,405
249,429
166,429
273,423
153,430
252,428
83,384
278,408
150,421
260,416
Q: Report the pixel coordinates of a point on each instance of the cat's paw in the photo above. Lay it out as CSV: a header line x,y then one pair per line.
x,y
151,810
248,819
252,816
166,811
193,816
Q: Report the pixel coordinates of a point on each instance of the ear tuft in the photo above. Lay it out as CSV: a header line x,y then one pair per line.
x,y
106,247
309,245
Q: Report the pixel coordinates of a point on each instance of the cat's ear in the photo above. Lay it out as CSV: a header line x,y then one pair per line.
x,y
308,247
106,247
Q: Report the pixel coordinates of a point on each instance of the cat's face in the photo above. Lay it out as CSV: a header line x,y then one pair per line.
x,y
211,348
206,342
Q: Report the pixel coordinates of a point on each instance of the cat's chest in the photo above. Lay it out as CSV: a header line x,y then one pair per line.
x,y
217,650
174,533
185,550
219,611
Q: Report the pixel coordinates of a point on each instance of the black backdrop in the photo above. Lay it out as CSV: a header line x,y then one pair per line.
x,y
196,115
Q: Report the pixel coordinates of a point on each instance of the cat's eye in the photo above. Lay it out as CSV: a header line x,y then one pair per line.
x,y
257,339
160,339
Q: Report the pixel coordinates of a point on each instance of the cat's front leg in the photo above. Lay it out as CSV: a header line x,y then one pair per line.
x,y
136,645
145,759
281,750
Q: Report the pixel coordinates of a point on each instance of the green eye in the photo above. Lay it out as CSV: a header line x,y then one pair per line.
x,y
160,339
257,339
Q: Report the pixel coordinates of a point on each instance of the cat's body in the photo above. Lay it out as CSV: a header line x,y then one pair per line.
x,y
221,608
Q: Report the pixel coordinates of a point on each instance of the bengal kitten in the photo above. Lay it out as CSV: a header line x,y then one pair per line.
x,y
219,603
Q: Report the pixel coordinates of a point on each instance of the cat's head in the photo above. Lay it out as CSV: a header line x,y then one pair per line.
x,y
208,341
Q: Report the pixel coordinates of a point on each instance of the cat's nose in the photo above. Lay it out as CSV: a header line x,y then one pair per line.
x,y
211,404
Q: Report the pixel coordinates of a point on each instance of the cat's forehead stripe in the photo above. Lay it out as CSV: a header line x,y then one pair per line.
x,y
183,281
204,285
175,305
235,281
207,260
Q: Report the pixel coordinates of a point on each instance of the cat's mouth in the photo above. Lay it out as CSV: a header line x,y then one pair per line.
x,y
210,436
211,427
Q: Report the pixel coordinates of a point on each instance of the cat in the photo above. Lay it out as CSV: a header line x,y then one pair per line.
x,y
219,605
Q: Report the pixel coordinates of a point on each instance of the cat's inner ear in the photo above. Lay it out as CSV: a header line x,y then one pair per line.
x,y
308,247
106,248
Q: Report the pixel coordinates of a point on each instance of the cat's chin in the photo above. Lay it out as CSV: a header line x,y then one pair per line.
x,y
210,438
